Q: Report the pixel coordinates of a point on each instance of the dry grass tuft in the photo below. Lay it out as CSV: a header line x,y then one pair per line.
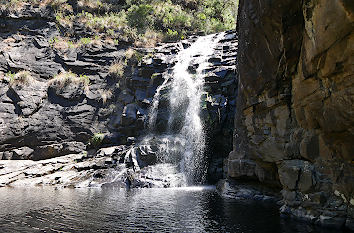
x,y
19,5
149,39
9,40
65,78
117,68
129,54
64,43
61,45
21,78
93,5
105,95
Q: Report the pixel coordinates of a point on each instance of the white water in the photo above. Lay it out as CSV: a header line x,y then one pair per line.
x,y
184,140
155,104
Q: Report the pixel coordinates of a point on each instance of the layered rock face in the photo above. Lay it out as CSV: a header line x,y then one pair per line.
x,y
106,97
295,110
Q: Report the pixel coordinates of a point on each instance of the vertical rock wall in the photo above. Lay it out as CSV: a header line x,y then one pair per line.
x,y
294,127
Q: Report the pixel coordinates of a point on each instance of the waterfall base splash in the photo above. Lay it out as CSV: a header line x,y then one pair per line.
x,y
183,142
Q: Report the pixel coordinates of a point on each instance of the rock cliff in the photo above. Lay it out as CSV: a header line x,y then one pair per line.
x,y
59,98
295,109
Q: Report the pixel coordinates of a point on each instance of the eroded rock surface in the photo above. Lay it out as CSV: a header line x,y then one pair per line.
x,y
119,166
45,118
295,109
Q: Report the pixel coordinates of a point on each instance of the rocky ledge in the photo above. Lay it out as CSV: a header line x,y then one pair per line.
x,y
119,166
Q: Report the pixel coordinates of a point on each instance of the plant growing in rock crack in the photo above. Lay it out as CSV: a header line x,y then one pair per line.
x,y
10,75
84,78
117,68
65,78
61,44
21,78
96,140
53,41
85,41
105,95
131,55
130,59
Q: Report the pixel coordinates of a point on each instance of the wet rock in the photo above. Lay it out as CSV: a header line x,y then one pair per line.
x,y
332,222
109,151
131,140
125,97
146,155
245,192
146,73
53,150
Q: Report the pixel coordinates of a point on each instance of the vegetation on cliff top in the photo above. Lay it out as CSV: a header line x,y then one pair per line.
x,y
143,22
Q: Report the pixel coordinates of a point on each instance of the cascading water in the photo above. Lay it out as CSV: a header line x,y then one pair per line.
x,y
183,141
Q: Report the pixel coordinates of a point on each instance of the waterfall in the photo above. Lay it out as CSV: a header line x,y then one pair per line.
x,y
155,104
184,138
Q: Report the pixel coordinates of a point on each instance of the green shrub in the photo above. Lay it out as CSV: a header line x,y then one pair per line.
x,y
53,41
97,140
85,40
10,75
85,79
144,22
171,35
140,17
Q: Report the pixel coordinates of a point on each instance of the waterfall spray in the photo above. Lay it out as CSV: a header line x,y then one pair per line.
x,y
184,123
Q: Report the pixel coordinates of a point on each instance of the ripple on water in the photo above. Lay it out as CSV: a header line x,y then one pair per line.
x,y
188,209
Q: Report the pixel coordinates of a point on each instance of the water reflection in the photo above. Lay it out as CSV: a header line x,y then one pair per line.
x,y
145,210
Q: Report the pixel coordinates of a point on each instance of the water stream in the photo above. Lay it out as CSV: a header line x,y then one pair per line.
x,y
182,141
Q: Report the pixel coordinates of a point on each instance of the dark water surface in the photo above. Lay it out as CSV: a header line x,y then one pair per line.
x,y
144,210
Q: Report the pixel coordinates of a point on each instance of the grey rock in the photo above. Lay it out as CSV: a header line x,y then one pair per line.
x,y
23,152
241,167
296,174
129,114
332,222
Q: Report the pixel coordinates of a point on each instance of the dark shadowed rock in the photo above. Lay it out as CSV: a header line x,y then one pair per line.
x,y
294,110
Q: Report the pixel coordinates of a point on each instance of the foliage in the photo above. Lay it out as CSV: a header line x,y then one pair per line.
x,y
145,22
141,16
102,23
117,68
131,58
10,75
85,40
105,95
84,79
53,41
20,78
97,139
65,78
